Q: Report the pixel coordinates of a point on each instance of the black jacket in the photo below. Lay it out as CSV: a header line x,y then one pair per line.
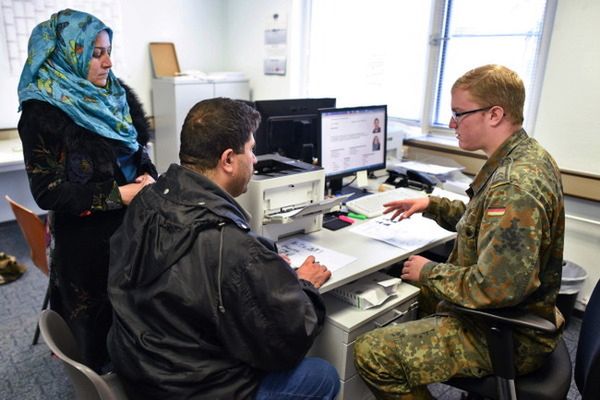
x,y
73,172
203,307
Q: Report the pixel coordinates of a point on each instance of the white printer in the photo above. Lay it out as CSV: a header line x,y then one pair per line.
x,y
285,197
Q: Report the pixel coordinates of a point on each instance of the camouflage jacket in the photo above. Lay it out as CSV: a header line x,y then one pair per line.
x,y
509,244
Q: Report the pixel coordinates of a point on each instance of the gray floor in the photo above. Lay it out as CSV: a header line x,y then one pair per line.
x,y
30,372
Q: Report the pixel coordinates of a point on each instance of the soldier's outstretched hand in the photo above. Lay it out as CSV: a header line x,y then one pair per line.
x,y
406,207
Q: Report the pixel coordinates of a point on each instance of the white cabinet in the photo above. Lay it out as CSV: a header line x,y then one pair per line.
x,y
172,98
13,178
345,323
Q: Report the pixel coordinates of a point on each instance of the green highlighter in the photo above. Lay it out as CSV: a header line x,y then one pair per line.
x,y
356,216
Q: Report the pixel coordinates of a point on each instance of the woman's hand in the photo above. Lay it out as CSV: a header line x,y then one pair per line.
x,y
129,191
405,208
313,272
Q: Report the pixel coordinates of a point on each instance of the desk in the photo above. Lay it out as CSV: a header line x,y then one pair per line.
x,y
371,255
345,323
13,178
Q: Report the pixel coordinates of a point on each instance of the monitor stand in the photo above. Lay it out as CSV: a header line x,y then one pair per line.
x,y
335,187
356,192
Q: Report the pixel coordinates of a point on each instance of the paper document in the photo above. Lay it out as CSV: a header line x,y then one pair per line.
x,y
408,234
297,250
321,207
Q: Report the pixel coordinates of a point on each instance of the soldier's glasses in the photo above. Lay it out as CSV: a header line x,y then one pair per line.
x,y
457,115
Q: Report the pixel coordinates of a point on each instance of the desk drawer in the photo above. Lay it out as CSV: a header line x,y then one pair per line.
x,y
335,344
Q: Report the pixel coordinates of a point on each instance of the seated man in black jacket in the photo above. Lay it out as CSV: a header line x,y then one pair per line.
x,y
203,307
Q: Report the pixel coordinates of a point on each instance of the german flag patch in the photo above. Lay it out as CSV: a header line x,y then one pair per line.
x,y
496,212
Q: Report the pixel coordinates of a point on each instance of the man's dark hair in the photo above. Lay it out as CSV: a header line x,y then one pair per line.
x,y
213,126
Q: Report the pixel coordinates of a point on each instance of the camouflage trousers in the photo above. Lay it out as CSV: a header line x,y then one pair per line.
x,y
398,361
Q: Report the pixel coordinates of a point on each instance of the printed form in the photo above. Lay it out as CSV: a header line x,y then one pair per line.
x,y
297,250
408,234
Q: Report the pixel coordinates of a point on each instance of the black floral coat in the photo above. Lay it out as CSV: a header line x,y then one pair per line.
x,y
73,173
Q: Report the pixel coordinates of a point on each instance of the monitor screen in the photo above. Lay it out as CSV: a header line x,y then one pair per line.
x,y
290,128
352,139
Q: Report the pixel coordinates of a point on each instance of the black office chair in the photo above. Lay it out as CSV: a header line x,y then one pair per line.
x,y
553,379
587,360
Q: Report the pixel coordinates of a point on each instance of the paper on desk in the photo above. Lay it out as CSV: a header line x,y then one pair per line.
x,y
408,234
297,250
321,207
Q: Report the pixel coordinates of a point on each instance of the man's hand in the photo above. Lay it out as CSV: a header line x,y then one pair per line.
x,y
129,191
313,272
412,268
407,207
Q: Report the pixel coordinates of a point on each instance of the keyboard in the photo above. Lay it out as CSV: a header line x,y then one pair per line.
x,y
372,205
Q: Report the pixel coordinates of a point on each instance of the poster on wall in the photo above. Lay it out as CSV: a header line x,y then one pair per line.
x,y
275,46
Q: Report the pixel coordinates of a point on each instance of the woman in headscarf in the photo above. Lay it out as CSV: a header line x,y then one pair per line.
x,y
83,134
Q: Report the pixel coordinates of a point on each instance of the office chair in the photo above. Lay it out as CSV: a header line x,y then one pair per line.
x,y
34,231
87,383
549,382
587,359
553,379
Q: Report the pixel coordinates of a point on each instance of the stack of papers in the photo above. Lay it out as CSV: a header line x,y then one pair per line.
x,y
368,292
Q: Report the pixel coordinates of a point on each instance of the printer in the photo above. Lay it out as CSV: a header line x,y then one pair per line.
x,y
285,197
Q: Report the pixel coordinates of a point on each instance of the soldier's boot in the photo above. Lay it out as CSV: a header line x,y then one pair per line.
x,y
418,393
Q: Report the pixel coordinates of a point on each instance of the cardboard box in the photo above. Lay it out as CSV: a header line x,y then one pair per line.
x,y
164,59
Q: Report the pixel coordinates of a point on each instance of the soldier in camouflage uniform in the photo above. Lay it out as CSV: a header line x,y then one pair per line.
x,y
508,250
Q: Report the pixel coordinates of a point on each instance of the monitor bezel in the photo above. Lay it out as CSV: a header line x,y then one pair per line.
x,y
338,175
282,110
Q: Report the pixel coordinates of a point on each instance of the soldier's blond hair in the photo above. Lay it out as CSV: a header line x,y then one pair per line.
x,y
495,85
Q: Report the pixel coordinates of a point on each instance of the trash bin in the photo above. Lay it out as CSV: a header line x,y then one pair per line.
x,y
573,277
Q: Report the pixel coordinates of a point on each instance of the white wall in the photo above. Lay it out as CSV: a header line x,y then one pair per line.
x,y
246,22
215,35
197,27
568,122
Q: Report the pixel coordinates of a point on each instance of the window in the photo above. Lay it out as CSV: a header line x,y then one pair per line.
x,y
407,54
366,53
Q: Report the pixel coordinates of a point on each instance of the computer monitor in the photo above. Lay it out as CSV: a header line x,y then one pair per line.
x,y
351,140
290,127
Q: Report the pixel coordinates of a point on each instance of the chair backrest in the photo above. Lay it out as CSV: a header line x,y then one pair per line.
x,y
587,360
34,231
57,335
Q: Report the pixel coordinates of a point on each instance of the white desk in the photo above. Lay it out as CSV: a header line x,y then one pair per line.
x,y
345,323
13,178
371,255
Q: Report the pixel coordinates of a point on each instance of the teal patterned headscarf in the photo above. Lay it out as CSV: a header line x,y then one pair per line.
x,y
59,55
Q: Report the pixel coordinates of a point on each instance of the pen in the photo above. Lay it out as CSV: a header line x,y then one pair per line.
x,y
356,216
